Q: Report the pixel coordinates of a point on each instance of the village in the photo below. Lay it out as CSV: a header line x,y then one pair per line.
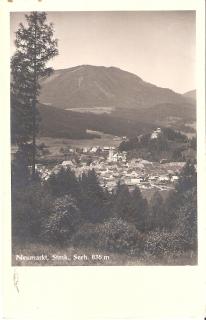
x,y
113,167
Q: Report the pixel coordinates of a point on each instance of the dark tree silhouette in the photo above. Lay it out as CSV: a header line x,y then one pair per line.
x,y
130,207
94,201
35,46
157,211
188,177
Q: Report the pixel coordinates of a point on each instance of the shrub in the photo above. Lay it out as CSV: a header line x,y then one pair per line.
x,y
164,243
119,236
87,235
114,235
63,222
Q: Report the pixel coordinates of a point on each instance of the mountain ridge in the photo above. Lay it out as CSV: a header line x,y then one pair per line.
x,y
88,86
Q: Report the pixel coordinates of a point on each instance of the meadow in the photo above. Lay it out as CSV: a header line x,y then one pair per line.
x,y
101,258
55,144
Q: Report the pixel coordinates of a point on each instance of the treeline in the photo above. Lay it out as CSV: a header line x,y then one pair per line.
x,y
59,123
170,144
66,210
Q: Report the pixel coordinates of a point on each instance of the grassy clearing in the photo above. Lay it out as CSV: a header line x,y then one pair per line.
x,y
95,110
55,144
70,256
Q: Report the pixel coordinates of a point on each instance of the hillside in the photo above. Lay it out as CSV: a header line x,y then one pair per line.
x,y
59,123
191,95
168,144
89,86
166,114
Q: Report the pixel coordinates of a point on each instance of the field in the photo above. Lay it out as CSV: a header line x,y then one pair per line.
x,y
95,110
56,256
55,144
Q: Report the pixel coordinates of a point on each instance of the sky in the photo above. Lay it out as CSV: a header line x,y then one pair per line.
x,y
158,46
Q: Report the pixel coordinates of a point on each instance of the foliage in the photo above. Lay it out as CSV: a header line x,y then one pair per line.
x,y
177,154
164,243
59,123
31,205
170,144
122,222
20,174
171,205
62,183
177,199
63,221
187,178
113,235
120,236
35,46
183,235
130,207
157,212
193,143
122,201
186,223
94,201
87,235
174,135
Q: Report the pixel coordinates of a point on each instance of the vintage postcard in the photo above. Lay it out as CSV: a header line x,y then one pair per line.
x,y
103,138
106,156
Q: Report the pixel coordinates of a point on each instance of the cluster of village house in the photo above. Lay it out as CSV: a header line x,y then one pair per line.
x,y
112,166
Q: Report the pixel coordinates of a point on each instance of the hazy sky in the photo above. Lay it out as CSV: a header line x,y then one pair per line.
x,y
157,46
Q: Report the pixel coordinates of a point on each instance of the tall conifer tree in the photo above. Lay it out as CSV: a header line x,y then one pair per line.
x,y
35,46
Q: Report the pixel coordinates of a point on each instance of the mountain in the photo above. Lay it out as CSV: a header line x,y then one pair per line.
x,y
89,86
191,95
109,100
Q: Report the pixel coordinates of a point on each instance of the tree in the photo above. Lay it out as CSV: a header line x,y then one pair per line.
x,y
186,225
139,210
131,207
157,211
19,170
193,143
94,202
122,202
176,198
62,183
31,206
187,178
35,46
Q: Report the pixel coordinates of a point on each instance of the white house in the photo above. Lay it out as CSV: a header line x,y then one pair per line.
x,y
67,163
156,133
164,178
174,178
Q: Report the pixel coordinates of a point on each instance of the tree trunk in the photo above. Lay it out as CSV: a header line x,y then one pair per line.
x,y
34,109
33,138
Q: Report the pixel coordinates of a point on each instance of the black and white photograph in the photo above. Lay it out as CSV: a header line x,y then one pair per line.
x,y
103,138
